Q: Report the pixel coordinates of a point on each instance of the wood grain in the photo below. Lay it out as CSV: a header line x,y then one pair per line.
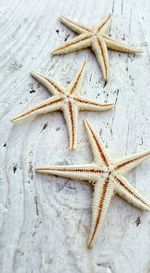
x,y
44,220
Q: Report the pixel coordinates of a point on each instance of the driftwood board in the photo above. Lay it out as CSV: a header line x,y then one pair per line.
x,y
44,220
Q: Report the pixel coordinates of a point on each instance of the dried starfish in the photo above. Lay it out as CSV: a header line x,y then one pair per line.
x,y
107,178
95,38
67,100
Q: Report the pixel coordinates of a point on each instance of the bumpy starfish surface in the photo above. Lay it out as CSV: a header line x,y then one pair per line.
x,y
67,100
107,178
95,38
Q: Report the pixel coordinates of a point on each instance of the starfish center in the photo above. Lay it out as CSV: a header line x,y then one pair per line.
x,y
110,170
68,97
95,35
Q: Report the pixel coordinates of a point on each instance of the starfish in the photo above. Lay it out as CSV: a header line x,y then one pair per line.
x,y
67,100
107,177
95,38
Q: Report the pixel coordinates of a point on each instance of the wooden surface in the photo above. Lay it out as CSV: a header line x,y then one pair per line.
x,y
44,220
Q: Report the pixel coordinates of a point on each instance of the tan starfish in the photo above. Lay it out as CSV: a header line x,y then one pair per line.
x,y
107,178
67,100
95,38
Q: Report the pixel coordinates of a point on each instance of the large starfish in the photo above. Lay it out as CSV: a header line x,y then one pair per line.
x,y
67,100
95,38
107,178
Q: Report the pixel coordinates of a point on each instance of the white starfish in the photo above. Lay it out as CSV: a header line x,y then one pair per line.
x,y
67,100
106,177
95,38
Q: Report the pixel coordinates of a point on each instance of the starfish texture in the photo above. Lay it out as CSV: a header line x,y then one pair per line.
x,y
107,177
67,100
95,38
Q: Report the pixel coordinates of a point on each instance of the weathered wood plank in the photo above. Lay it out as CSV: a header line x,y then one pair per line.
x,y
44,221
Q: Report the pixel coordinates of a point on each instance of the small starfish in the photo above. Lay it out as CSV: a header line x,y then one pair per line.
x,y
67,100
107,178
95,38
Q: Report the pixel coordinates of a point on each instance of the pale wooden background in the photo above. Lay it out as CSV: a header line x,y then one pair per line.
x,y
44,221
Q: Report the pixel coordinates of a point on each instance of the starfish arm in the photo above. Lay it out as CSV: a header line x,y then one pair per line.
x,y
49,105
127,192
104,24
119,46
51,86
89,105
77,43
75,86
97,146
100,50
128,163
70,111
103,192
76,27
87,172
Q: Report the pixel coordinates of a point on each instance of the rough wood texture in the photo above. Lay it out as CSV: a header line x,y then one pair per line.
x,y
44,220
